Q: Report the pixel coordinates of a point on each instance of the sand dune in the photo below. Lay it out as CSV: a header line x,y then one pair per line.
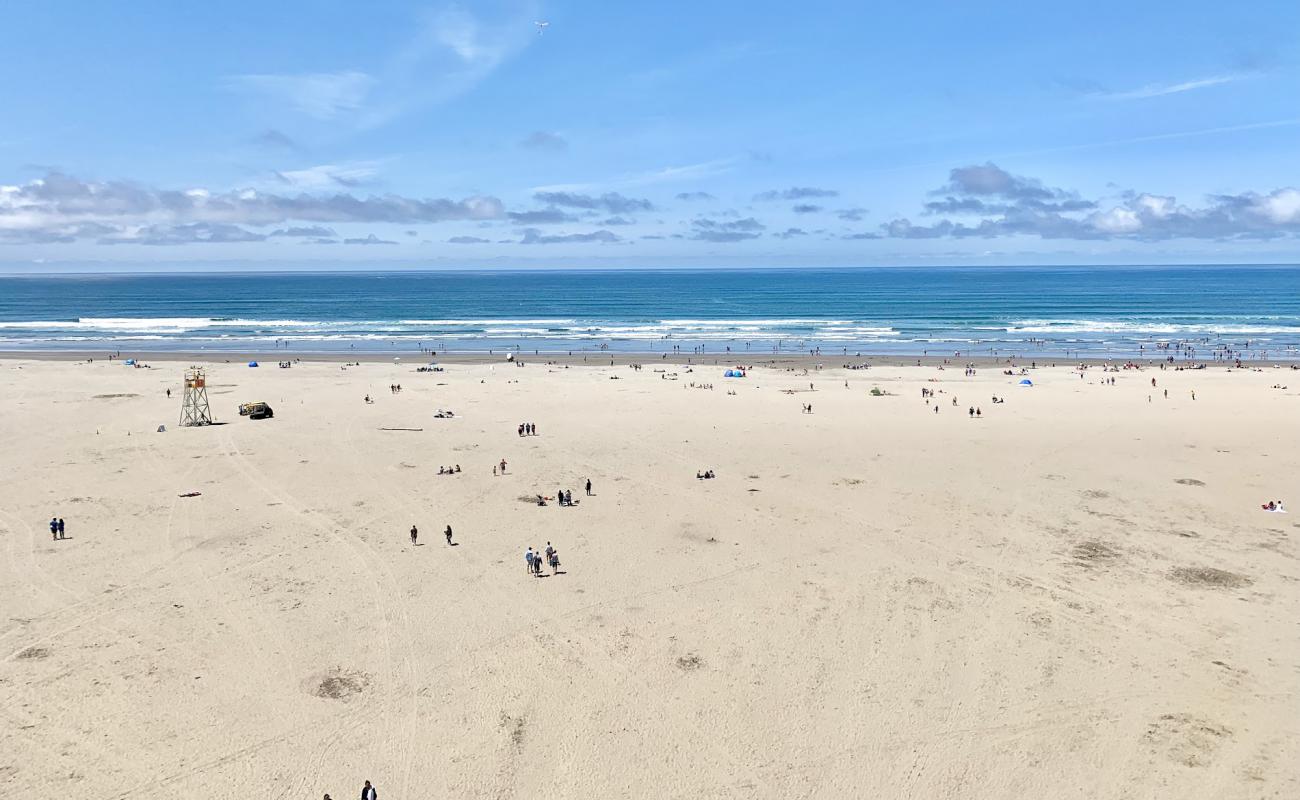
x,y
1074,596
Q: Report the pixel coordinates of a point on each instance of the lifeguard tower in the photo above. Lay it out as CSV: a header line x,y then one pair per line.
x,y
194,408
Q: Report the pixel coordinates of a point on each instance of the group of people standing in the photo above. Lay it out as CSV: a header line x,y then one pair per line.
x,y
527,429
533,560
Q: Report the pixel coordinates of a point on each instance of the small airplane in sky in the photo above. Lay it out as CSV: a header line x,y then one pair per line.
x,y
542,25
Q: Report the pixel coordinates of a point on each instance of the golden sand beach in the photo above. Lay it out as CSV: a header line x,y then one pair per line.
x,y
1074,595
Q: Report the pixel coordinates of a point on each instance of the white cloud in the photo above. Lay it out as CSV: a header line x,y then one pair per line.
x,y
61,208
323,95
449,52
1162,89
1281,207
1155,205
328,176
1117,220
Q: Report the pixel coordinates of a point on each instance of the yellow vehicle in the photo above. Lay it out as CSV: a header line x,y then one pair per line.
x,y
255,410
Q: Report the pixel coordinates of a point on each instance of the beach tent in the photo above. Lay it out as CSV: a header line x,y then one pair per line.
x,y
252,363
130,362
1026,382
733,373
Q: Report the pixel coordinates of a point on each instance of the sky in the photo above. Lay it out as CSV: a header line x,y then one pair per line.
x,y
287,135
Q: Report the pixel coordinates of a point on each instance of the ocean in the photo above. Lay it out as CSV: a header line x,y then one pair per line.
x,y
1088,312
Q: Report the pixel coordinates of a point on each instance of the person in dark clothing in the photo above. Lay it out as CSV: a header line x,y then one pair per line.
x,y
589,487
54,528
368,792
414,534
61,536
448,534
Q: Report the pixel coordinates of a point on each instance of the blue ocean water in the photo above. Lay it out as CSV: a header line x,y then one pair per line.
x,y
1088,312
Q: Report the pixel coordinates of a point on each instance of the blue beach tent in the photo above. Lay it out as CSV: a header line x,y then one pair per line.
x,y
130,362
252,363
1026,382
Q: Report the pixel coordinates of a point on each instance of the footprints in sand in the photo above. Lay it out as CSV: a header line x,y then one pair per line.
x,y
339,684
1093,553
1209,578
690,662
1189,482
1186,739
33,653
517,727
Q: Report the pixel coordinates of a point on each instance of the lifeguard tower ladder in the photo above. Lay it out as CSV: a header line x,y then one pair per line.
x,y
194,408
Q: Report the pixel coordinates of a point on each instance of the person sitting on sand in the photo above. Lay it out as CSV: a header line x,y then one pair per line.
x,y
458,467
442,470
699,476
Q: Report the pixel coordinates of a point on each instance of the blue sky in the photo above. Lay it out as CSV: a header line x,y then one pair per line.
x,y
667,134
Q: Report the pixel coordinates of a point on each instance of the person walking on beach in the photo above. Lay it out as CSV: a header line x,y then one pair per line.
x,y
503,466
368,792
528,559
414,534
61,536
54,528
554,560
589,487
447,533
